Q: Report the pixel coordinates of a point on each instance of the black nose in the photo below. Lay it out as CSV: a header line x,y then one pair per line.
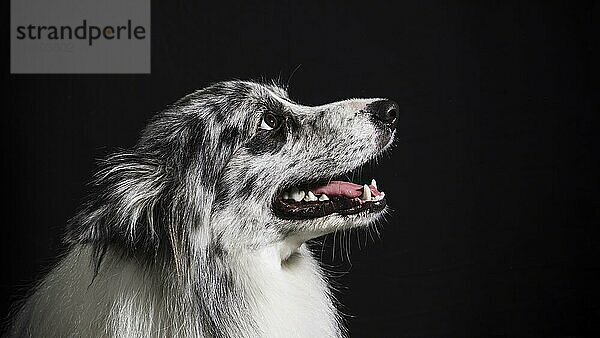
x,y
384,111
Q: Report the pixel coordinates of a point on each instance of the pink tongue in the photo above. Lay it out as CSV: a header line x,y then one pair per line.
x,y
340,188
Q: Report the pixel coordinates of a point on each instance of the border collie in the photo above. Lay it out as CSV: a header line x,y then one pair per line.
x,y
200,229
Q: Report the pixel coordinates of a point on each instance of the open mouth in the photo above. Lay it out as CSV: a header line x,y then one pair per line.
x,y
325,198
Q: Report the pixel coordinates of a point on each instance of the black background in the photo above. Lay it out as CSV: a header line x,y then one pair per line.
x,y
494,180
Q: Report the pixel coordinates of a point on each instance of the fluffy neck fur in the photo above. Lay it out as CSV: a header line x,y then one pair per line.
x,y
259,295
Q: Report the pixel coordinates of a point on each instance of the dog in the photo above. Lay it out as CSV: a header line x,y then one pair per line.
x,y
201,229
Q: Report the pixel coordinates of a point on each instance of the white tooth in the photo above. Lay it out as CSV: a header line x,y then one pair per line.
x,y
296,195
301,195
308,198
286,195
323,198
366,195
374,183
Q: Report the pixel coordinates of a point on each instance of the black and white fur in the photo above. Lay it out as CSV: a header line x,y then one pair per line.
x,y
178,238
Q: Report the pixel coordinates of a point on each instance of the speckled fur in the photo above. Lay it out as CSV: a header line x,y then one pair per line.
x,y
178,238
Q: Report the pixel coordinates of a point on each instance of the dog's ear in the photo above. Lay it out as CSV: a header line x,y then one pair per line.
x,y
123,206
147,201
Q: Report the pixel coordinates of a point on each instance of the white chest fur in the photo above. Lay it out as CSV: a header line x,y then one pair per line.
x,y
291,298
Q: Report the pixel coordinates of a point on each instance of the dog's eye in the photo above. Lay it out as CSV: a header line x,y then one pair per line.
x,y
270,122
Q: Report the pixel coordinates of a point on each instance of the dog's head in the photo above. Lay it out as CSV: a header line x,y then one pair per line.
x,y
240,164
